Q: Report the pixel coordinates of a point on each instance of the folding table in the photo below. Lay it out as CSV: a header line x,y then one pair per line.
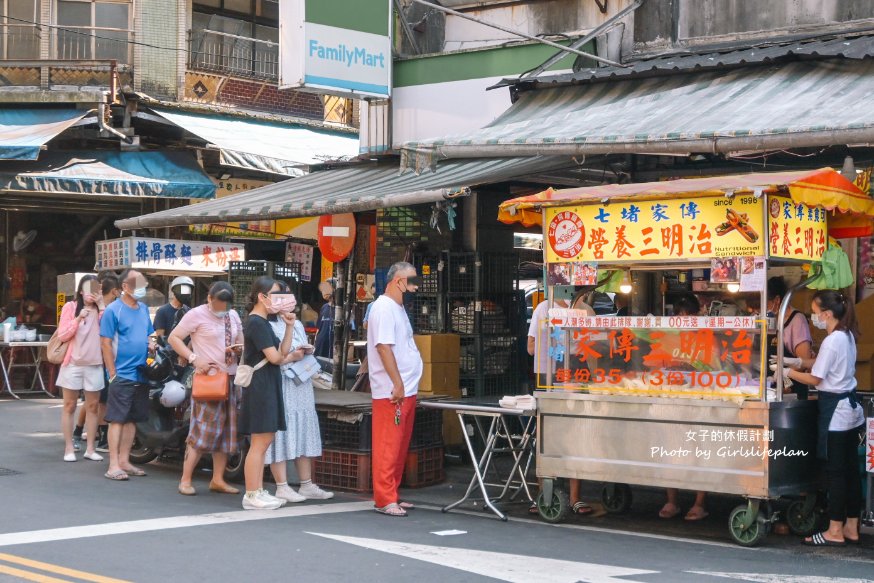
x,y
497,438
7,363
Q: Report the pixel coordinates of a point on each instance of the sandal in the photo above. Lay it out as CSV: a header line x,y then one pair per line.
x,y
818,540
223,488
392,509
134,471
406,505
669,511
695,514
582,508
118,476
533,509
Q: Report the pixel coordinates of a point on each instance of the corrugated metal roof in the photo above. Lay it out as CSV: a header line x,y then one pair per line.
x,y
357,187
804,103
846,47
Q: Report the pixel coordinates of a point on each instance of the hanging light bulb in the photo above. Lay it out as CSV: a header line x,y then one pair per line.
x,y
625,286
733,288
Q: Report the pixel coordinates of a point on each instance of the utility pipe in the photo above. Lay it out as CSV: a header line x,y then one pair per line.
x,y
101,123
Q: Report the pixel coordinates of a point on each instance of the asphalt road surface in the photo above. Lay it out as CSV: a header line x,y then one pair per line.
x,y
65,522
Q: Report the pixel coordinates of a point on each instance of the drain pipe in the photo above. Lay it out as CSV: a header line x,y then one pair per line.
x,y
101,123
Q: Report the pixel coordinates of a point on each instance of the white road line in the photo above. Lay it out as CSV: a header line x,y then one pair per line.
x,y
781,578
503,566
93,530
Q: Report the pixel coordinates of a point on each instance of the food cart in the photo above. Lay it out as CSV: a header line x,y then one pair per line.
x,y
681,401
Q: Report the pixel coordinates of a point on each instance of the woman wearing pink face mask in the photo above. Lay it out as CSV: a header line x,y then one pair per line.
x,y
82,368
262,413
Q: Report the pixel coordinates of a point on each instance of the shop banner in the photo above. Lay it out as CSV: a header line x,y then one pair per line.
x,y
303,254
567,318
796,231
167,255
869,458
656,230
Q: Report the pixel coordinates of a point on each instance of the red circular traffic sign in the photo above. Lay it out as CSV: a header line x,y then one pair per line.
x,y
336,236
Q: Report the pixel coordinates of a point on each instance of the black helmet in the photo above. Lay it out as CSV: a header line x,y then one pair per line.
x,y
158,368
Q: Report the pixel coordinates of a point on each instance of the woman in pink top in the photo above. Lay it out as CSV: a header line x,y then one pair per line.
x,y
83,366
216,334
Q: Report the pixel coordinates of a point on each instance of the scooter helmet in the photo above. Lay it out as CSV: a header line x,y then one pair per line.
x,y
172,394
182,288
158,368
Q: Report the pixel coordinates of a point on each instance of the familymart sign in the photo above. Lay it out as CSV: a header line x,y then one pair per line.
x,y
340,47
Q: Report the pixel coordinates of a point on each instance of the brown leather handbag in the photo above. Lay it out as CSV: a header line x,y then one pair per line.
x,y
210,386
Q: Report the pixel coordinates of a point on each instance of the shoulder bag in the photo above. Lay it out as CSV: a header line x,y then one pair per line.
x,y
245,373
56,350
210,386
304,369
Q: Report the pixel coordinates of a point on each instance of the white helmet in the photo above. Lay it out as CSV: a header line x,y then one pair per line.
x,y
182,280
172,394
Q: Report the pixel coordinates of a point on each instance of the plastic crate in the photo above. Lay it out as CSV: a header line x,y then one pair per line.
x,y
343,470
340,435
424,467
428,429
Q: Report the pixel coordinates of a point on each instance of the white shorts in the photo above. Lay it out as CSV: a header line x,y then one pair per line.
x,y
77,378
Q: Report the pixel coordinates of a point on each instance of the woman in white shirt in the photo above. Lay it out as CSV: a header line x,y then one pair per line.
x,y
841,420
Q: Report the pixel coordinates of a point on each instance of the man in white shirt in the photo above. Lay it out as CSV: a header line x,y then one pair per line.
x,y
395,369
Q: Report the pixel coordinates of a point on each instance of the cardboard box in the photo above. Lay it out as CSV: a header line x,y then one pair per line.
x,y
440,378
865,366
451,429
439,348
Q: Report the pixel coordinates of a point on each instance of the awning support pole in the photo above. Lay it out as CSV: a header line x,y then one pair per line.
x,y
560,47
602,28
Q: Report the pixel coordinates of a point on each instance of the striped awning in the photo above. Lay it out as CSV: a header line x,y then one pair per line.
x,y
805,103
353,188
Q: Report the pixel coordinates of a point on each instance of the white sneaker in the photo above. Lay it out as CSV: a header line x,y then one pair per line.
x,y
288,494
69,457
313,492
265,495
95,457
256,502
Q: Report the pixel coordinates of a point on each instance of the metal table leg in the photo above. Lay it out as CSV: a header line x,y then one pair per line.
x,y
5,369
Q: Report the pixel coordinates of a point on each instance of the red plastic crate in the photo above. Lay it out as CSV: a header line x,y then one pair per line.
x,y
424,467
343,470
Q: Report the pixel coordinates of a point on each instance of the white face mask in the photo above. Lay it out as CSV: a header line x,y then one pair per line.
x,y
819,321
139,293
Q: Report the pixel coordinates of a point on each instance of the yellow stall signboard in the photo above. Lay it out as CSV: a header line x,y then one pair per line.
x,y
656,230
796,231
60,300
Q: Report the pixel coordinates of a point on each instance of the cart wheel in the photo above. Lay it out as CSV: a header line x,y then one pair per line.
x,y
801,523
557,509
754,534
617,501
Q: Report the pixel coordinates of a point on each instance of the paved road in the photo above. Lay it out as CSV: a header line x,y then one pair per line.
x,y
64,522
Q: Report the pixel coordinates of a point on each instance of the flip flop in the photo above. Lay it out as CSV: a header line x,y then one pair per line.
x,y
666,513
696,516
533,508
118,476
582,508
406,505
818,540
135,472
392,510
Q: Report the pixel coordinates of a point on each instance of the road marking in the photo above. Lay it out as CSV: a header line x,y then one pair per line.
x,y
769,578
504,566
449,532
93,530
58,570
28,576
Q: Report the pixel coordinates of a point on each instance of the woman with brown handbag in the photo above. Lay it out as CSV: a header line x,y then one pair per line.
x,y
82,368
216,334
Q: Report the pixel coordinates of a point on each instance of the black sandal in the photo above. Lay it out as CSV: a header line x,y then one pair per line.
x,y
818,540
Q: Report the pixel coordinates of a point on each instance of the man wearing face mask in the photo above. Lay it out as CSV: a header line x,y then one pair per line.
x,y
395,369
124,336
168,315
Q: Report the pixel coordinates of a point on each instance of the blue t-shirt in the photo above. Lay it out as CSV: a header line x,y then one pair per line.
x,y
129,330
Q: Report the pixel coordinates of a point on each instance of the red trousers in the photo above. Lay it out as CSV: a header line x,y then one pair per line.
x,y
390,445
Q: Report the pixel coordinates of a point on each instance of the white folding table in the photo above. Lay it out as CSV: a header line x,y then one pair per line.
x,y
7,363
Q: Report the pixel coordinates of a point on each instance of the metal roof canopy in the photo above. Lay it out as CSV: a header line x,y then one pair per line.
x,y
800,104
25,131
353,188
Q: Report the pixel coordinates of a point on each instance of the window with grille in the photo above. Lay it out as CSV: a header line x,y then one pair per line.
x,y
93,30
20,35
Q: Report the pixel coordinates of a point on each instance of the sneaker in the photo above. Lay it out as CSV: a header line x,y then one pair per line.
x,y
95,457
313,492
288,494
256,502
77,443
69,457
265,495
102,446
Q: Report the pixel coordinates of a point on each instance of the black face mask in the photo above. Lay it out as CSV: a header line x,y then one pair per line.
x,y
183,299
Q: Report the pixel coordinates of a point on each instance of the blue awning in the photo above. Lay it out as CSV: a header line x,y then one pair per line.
x,y
276,148
161,174
23,132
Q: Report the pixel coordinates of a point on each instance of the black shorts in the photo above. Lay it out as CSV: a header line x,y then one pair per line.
x,y
128,402
104,392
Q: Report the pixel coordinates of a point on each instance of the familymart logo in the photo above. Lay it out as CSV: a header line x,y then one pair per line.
x,y
350,56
